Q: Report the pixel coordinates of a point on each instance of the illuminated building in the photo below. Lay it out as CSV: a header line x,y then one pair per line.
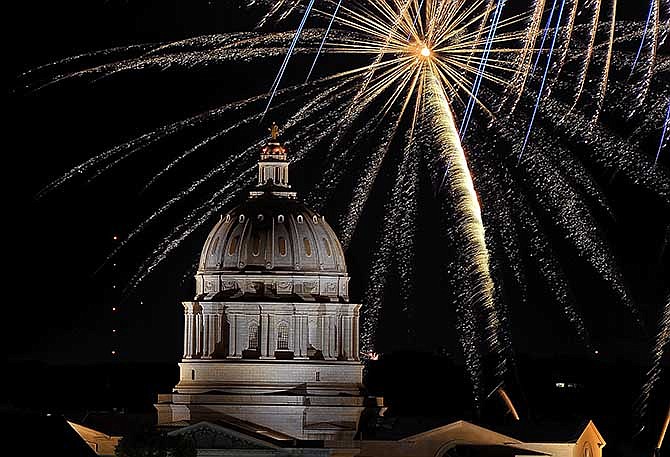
x,y
271,357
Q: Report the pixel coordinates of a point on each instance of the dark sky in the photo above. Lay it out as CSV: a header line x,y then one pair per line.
x,y
59,310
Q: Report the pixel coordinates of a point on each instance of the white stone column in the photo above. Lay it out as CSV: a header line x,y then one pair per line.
x,y
272,335
346,337
312,338
197,349
206,348
295,336
234,351
332,338
188,333
354,338
264,336
300,346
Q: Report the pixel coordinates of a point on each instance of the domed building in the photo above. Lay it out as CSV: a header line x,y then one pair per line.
x,y
270,364
271,337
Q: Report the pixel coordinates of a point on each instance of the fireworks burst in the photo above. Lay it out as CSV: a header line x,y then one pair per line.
x,y
498,108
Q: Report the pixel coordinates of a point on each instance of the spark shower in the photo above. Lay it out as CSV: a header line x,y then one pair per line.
x,y
506,108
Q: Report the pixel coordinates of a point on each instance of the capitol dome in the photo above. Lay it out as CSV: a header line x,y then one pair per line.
x,y
272,246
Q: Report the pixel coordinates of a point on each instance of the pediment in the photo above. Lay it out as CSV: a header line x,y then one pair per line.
x,y
207,435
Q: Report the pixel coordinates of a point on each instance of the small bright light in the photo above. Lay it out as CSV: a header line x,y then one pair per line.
x,y
114,308
425,51
596,352
115,237
113,352
113,330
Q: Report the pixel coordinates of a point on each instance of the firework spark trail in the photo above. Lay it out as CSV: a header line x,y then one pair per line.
x,y
565,37
546,261
662,141
308,93
653,5
132,146
80,58
325,37
566,163
250,153
586,61
544,79
380,54
349,221
570,213
373,297
405,257
604,76
642,87
339,160
277,6
482,67
289,53
543,255
469,228
334,174
387,243
325,126
248,49
100,162
608,150
518,81
660,347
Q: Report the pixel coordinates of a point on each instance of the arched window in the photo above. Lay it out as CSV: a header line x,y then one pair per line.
x,y
253,336
282,246
232,247
308,247
215,245
255,245
329,253
282,336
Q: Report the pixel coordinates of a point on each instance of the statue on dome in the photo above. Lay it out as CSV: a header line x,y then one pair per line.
x,y
274,131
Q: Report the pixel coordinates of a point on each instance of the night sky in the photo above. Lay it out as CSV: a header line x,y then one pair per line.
x,y
60,310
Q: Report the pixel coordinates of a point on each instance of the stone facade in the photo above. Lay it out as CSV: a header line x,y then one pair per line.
x,y
271,337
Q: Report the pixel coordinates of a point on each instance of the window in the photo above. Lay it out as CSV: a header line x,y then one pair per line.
x,y
253,336
315,219
308,247
282,336
232,248
282,246
280,218
329,253
215,245
241,219
300,219
255,245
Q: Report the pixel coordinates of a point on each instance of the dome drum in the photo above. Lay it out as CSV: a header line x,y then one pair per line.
x,y
217,287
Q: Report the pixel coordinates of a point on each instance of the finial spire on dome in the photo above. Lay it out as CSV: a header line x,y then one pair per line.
x,y
274,131
273,166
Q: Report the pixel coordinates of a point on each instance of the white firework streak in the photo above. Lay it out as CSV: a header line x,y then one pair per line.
x,y
469,226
